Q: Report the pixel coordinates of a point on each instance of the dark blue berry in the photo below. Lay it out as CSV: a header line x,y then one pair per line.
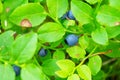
x,y
64,16
43,52
70,15
17,70
71,39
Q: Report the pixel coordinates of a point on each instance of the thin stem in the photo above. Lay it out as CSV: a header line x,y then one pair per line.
x,y
1,60
88,56
84,59
36,61
47,47
56,20
99,53
72,31
98,6
91,55
108,61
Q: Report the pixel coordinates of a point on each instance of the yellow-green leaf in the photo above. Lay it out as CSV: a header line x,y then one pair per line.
x,y
84,72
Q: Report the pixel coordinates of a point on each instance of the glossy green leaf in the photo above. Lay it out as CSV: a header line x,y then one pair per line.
x,y
32,72
76,52
10,5
28,15
92,1
84,42
100,76
100,36
6,41
115,3
68,23
113,31
58,55
114,48
1,7
108,16
95,64
56,44
88,28
50,32
24,47
35,1
66,67
62,73
5,23
73,77
84,72
5,71
49,67
57,7
82,11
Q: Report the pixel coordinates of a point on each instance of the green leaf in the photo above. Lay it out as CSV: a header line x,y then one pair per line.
x,y
115,3
5,71
49,67
58,78
32,72
56,44
24,47
10,5
5,23
37,1
62,73
66,66
58,55
82,11
100,76
47,57
18,78
113,31
92,1
28,15
95,64
6,41
88,28
84,42
76,52
51,32
1,7
57,7
108,16
115,49
84,72
100,36
73,77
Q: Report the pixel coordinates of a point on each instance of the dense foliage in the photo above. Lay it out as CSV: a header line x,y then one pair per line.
x,y
59,39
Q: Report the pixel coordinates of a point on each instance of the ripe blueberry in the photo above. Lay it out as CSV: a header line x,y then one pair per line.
x,y
64,16
71,39
17,70
43,52
70,15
